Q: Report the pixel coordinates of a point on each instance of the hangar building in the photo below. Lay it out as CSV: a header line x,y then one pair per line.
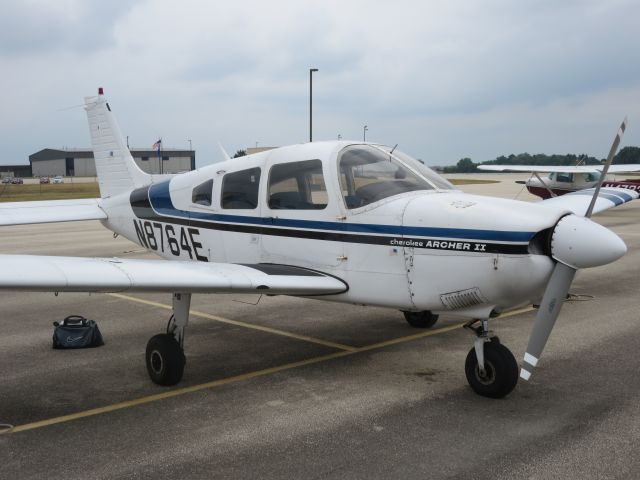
x,y
50,162
21,171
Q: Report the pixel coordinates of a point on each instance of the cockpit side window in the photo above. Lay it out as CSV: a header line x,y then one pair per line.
x,y
240,189
297,186
368,174
202,194
592,176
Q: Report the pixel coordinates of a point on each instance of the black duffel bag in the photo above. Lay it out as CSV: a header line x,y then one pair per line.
x,y
76,331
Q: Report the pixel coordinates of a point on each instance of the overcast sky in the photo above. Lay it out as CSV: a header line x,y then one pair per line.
x,y
442,79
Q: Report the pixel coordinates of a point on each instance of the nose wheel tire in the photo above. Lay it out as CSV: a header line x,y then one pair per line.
x,y
501,371
165,360
424,319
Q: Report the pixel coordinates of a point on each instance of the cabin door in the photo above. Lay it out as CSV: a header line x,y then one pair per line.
x,y
300,216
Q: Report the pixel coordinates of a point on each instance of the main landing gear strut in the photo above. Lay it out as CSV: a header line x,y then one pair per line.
x,y
491,369
165,352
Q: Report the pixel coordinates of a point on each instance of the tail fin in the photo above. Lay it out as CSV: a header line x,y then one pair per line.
x,y
117,170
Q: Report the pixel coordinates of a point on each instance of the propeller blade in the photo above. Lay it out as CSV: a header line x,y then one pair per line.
x,y
552,301
612,152
575,244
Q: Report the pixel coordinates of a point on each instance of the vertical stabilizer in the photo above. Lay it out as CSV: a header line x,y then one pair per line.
x,y
116,169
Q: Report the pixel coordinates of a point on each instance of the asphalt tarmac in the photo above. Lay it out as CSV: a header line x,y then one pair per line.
x,y
294,388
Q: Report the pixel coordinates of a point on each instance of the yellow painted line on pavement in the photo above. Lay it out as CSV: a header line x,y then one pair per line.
x,y
238,378
177,392
261,328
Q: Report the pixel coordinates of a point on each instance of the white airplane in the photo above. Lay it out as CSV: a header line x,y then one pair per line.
x,y
566,179
342,221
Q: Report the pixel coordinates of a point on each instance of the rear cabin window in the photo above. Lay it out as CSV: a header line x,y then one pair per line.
x,y
240,189
564,177
297,186
202,193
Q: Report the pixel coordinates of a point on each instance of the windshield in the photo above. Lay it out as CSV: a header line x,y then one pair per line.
x,y
437,180
369,174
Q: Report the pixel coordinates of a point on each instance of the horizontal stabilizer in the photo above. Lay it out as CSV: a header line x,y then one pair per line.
x,y
77,274
50,211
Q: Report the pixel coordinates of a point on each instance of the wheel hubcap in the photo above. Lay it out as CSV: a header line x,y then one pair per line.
x,y
156,362
489,375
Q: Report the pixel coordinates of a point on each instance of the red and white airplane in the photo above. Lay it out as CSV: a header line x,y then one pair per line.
x,y
566,179
339,221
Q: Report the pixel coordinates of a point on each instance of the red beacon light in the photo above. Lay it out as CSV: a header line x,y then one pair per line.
x,y
100,91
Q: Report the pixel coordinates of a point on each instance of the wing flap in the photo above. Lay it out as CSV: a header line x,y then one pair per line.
x,y
578,201
77,274
50,211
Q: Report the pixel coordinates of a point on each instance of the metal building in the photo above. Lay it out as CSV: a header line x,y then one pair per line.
x,y
50,162
20,171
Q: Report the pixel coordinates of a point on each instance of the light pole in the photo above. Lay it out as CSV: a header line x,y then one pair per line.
x,y
364,133
190,145
311,70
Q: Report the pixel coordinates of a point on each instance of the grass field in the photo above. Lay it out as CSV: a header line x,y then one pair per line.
x,y
64,191
61,191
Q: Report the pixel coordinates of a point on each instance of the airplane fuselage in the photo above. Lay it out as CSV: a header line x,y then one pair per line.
x,y
561,184
404,251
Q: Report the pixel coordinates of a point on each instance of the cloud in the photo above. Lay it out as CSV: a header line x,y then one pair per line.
x,y
444,79
40,27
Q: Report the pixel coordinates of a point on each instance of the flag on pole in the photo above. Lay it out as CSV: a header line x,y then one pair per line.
x,y
156,146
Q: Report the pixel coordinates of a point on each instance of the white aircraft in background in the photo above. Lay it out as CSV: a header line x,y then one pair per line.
x,y
341,221
567,179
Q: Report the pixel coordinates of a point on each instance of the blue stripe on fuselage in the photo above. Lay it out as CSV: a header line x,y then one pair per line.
x,y
160,198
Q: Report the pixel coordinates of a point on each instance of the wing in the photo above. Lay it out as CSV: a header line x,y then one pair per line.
x,y
578,201
559,168
540,168
23,213
77,274
621,168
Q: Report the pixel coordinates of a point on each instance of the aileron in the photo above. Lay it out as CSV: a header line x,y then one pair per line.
x,y
76,274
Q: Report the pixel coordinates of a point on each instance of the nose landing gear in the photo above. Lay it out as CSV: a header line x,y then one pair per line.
x,y
165,352
424,319
490,367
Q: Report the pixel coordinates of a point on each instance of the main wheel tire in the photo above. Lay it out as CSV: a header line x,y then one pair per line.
x,y
501,371
165,359
424,319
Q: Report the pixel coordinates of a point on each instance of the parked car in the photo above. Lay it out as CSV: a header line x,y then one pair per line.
x,y
17,181
57,179
6,180
44,179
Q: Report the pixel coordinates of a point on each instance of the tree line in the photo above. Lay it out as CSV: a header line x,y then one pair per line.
x,y
626,155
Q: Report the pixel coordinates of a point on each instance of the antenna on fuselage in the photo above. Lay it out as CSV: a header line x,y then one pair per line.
x,y
224,152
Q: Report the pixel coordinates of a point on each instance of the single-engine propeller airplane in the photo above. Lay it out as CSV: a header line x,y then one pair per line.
x,y
341,221
567,179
